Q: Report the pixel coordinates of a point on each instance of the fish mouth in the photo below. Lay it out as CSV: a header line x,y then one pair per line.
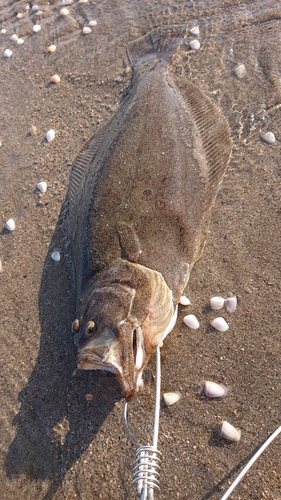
x,y
126,360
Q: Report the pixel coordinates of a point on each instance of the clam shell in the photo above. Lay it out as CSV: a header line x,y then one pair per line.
x,y
213,390
52,48
42,186
240,71
10,225
55,79
269,137
195,30
229,432
231,304
220,324
194,44
50,135
171,398
86,30
191,321
8,53
217,303
184,301
56,256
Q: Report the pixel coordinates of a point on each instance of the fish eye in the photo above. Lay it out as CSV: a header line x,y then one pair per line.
x,y
75,326
91,328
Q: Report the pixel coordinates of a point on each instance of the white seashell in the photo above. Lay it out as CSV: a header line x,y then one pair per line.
x,y
220,324
20,41
8,53
56,256
86,30
171,398
191,321
184,301
229,432
217,303
1,268
55,79
213,390
10,225
36,28
14,38
52,48
269,137
195,30
231,304
50,135
93,23
240,71
64,12
194,44
3,31
42,186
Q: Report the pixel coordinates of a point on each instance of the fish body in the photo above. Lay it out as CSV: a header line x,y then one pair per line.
x,y
140,198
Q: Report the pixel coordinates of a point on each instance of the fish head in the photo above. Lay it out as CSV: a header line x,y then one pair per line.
x,y
109,337
122,322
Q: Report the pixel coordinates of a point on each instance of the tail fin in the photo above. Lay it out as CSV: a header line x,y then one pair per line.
x,y
161,42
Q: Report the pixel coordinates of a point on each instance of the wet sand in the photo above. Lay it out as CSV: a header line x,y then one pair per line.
x,y
55,443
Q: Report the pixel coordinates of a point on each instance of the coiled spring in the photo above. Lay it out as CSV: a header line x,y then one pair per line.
x,y
148,458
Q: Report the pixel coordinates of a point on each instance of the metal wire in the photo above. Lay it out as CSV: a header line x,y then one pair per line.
x,y
148,458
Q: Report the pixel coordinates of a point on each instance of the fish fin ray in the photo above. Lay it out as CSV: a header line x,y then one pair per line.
x,y
160,42
129,242
213,146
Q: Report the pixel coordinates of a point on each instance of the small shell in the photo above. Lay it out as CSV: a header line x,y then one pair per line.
x,y
213,390
86,30
33,130
93,23
14,38
56,256
52,48
64,12
10,225
55,79
269,137
195,30
89,397
8,53
217,303
194,44
50,135
240,71
42,186
36,28
220,324
184,301
20,41
229,432
231,304
171,398
191,321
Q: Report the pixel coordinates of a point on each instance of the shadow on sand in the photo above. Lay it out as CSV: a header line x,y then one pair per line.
x,y
56,423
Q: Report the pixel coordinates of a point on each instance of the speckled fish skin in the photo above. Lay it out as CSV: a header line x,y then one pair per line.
x,y
140,199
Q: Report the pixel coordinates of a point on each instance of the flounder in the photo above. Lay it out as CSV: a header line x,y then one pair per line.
x,y
140,198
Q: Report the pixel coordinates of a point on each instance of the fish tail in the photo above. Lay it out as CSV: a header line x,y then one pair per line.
x,y
161,43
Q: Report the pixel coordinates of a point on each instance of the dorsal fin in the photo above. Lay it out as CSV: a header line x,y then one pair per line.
x,y
212,146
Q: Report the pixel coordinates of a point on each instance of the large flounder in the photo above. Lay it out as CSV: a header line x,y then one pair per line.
x,y
140,198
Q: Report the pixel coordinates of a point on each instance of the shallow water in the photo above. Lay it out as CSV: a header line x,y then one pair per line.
x,y
55,444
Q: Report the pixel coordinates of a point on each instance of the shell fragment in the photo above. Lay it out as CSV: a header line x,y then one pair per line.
x,y
10,225
194,44
42,186
56,256
171,398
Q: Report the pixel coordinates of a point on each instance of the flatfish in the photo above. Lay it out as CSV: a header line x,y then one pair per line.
x,y
140,199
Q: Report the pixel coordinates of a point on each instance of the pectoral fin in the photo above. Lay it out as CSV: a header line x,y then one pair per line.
x,y
129,242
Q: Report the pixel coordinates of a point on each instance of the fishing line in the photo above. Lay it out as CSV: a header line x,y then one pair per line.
x,y
148,458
